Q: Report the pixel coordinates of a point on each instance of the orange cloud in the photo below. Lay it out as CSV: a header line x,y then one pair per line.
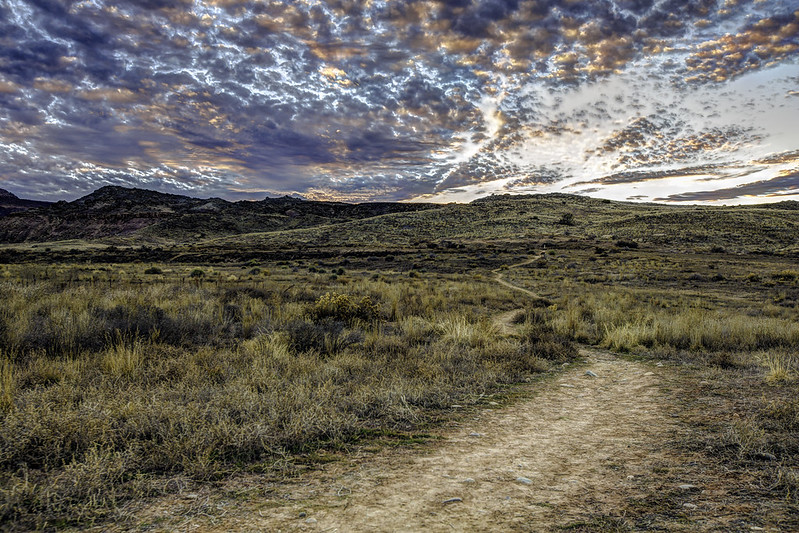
x,y
766,42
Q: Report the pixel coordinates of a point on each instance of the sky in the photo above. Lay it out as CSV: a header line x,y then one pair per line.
x,y
402,100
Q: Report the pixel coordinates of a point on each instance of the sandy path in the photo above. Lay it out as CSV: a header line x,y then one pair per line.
x,y
498,278
505,321
575,447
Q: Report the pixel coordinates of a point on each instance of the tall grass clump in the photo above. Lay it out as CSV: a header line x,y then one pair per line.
x,y
624,321
459,330
124,358
781,366
8,384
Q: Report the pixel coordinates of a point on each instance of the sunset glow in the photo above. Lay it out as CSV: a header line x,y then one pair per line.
x,y
442,100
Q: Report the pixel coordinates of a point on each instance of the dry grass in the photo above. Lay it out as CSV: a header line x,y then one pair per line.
x,y
459,330
8,384
107,392
115,380
625,321
781,365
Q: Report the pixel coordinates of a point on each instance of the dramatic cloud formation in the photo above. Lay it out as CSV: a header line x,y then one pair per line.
x,y
689,100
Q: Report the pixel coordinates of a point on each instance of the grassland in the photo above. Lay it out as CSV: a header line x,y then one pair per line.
x,y
132,369
114,390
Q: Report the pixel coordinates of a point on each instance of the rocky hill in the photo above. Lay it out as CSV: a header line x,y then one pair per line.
x,y
125,212
10,203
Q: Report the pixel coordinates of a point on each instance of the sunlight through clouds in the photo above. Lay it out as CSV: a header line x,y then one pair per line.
x,y
400,99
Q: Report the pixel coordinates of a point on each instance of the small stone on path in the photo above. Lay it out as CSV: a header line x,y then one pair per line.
x,y
526,481
687,486
690,506
311,521
475,434
590,374
452,500
468,480
567,385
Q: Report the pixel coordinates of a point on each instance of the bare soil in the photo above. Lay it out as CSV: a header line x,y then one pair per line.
x,y
499,279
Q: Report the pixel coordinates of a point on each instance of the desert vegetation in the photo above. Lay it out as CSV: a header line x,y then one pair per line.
x,y
133,369
113,391
729,324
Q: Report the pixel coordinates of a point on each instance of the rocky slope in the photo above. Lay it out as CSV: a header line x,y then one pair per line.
x,y
118,211
10,203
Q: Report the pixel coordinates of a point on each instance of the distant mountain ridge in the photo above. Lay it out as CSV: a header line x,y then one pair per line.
x,y
114,211
10,203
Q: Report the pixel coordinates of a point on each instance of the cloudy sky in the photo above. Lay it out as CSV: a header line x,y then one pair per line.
x,y
667,100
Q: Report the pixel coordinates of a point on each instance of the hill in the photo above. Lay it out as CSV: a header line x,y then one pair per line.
x,y
520,220
136,224
10,203
153,216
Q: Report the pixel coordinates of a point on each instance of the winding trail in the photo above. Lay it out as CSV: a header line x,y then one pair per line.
x,y
498,277
576,447
569,451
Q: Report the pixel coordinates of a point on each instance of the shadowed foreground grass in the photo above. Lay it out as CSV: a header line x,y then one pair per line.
x,y
108,394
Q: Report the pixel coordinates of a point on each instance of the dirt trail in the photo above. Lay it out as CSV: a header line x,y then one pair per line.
x,y
505,321
498,278
578,447
573,449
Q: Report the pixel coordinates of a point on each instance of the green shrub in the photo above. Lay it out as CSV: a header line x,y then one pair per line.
x,y
567,219
343,307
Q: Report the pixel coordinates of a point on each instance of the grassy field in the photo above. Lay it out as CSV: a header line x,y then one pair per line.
x,y
131,370
110,388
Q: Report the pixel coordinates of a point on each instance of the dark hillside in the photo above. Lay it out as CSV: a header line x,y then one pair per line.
x,y
10,203
122,212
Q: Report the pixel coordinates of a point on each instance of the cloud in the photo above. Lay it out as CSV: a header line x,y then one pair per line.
x,y
761,44
345,97
786,184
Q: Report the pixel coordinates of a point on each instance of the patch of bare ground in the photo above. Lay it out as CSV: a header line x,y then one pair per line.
x,y
726,470
506,321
